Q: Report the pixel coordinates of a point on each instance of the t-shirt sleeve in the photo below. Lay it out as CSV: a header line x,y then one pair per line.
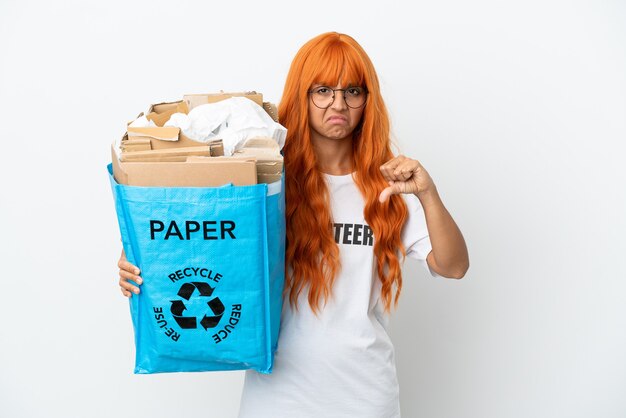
x,y
415,233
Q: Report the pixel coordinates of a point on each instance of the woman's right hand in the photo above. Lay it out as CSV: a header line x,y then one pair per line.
x,y
128,272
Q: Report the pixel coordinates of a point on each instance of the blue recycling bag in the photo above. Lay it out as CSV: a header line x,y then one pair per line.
x,y
212,263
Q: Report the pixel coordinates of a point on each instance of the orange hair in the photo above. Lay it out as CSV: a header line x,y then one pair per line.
x,y
311,251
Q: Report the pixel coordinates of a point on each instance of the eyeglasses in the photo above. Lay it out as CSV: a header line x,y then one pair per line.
x,y
323,96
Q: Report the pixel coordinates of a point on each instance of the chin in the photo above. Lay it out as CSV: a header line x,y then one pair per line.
x,y
340,135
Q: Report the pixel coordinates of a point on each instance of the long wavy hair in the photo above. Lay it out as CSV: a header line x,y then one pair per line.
x,y
312,256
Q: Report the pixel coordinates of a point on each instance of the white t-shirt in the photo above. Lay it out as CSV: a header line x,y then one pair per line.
x,y
340,364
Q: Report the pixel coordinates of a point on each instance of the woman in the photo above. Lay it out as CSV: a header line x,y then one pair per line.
x,y
353,211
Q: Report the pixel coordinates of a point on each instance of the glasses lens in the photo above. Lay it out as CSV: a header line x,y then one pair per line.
x,y
355,96
322,96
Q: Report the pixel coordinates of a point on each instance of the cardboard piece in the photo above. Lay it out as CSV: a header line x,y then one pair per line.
x,y
163,137
161,133
271,110
162,112
209,173
167,137
131,145
217,146
268,178
202,159
127,144
165,157
267,154
193,100
174,154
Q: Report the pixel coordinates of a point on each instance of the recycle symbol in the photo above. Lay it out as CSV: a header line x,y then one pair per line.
x,y
189,322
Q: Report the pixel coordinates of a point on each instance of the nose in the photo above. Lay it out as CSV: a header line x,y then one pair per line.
x,y
339,102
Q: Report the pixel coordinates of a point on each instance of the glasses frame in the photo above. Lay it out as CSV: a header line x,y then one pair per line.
x,y
310,92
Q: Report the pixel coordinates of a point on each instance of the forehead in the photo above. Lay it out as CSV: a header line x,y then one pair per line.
x,y
338,66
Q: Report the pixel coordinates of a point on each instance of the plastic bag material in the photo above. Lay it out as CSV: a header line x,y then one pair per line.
x,y
212,263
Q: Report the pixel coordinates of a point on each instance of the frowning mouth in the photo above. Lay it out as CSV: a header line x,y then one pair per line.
x,y
337,120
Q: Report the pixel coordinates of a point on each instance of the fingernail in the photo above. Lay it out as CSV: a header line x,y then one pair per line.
x,y
139,281
136,271
136,290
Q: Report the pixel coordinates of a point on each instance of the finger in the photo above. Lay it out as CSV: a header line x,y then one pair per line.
x,y
386,193
394,161
395,187
125,292
388,168
406,169
125,265
124,274
387,172
402,173
128,287
400,169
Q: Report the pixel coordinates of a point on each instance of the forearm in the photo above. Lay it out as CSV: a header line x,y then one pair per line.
x,y
449,249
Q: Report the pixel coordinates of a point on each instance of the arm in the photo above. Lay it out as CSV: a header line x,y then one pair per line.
x,y
449,257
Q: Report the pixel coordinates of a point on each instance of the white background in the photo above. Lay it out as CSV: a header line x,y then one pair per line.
x,y
517,109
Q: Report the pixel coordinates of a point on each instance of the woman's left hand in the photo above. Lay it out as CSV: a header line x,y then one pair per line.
x,y
405,175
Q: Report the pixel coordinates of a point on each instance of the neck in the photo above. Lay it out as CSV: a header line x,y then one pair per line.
x,y
334,156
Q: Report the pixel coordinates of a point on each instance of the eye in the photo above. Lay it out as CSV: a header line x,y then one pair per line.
x,y
323,90
354,91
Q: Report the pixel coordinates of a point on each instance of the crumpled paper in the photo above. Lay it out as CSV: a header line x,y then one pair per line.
x,y
233,120
142,122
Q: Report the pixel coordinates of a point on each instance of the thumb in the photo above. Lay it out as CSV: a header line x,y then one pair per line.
x,y
384,195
